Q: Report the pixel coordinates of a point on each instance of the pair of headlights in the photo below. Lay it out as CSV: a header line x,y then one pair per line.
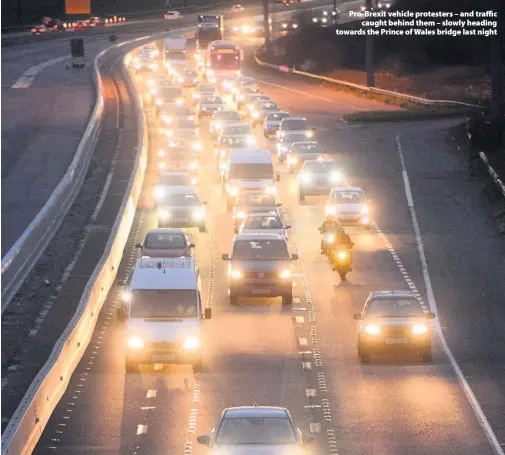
x,y
136,342
237,274
375,329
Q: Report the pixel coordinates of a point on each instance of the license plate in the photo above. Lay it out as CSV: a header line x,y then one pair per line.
x,y
163,357
396,340
261,291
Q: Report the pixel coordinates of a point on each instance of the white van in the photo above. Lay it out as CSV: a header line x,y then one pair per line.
x,y
249,170
162,306
175,49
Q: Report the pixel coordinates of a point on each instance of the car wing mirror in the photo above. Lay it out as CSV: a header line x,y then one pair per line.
x,y
278,204
225,257
430,315
204,439
208,313
191,245
294,257
138,245
307,439
358,317
288,226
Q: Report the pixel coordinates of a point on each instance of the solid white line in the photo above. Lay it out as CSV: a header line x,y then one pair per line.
x,y
26,79
479,413
105,190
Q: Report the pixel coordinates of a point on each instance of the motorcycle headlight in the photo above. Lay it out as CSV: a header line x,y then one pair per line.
x,y
372,329
419,329
285,274
331,210
270,189
236,274
309,134
159,193
335,177
191,343
199,213
330,238
163,214
365,210
135,342
305,177
342,255
233,190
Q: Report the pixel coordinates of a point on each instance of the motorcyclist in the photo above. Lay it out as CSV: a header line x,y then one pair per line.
x,y
328,227
342,240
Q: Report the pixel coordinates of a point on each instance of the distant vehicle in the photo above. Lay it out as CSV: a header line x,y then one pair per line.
x,y
182,208
260,109
260,266
286,141
272,122
236,9
270,223
95,21
348,206
295,125
210,28
384,4
38,29
171,112
204,90
172,15
289,25
55,25
326,18
171,181
223,60
81,24
165,243
303,151
254,202
207,105
220,118
241,94
318,177
244,429
393,321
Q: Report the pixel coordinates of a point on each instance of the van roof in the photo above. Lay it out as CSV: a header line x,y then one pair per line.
x,y
250,156
165,273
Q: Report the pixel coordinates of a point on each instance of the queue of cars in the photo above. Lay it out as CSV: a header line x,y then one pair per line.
x,y
165,284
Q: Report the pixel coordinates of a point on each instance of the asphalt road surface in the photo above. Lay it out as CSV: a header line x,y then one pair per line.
x,y
305,357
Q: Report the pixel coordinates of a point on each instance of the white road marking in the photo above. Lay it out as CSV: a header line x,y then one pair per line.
x,y
151,393
141,429
481,417
26,79
310,392
302,341
315,428
307,365
299,319
310,95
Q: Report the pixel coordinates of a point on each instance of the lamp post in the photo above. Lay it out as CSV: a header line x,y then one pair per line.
x,y
370,76
266,22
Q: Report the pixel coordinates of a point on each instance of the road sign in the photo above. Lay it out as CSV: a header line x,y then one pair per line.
x,y
78,6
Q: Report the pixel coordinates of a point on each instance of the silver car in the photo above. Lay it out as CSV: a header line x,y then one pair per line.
x,y
348,206
270,223
241,96
272,122
165,243
183,208
285,143
260,109
253,430
207,105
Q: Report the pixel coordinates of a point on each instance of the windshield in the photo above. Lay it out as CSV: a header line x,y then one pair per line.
x,y
181,200
225,59
263,222
251,171
257,200
236,129
265,105
165,241
182,123
170,92
209,33
177,303
307,148
235,142
276,116
347,197
260,249
320,167
295,125
256,430
174,180
394,307
212,100
227,116
289,138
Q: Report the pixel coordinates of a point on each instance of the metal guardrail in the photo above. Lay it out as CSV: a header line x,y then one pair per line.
x,y
494,175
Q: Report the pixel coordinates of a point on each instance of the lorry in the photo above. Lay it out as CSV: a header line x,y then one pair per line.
x,y
174,49
163,310
210,28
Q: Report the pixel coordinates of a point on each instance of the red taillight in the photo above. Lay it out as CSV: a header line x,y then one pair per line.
x,y
33,30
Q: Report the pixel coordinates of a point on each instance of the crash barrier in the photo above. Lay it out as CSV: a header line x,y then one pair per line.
x,y
26,426
493,173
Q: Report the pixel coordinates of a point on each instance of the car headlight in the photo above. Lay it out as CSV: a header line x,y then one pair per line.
x,y
270,189
162,165
169,133
331,210
193,166
251,140
372,329
235,29
159,102
309,134
135,342
222,153
305,177
364,220
284,25
167,119
179,101
194,180
154,92
240,215
365,210
216,125
203,108
292,159
196,96
211,73
197,145
236,274
419,329
335,177
241,97
314,19
138,67
126,295
159,193
199,213
161,153
324,20
295,25
233,190
255,115
163,214
285,274
191,343
180,80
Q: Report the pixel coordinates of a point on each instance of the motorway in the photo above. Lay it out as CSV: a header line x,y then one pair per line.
x,y
445,248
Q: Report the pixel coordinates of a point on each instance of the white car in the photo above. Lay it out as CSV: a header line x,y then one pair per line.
x,y
220,119
185,134
237,129
256,429
172,15
252,98
271,223
170,182
272,122
295,125
348,206
260,109
242,93
204,90
318,177
207,105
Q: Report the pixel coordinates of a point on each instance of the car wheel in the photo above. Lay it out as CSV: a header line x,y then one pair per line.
x,y
131,367
427,356
202,228
287,299
301,197
233,299
198,366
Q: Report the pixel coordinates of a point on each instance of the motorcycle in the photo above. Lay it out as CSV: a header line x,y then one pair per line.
x,y
327,242
341,260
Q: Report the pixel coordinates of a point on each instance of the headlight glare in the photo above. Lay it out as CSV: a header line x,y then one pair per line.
x,y
135,342
191,343
285,274
372,329
236,274
331,210
419,329
365,210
